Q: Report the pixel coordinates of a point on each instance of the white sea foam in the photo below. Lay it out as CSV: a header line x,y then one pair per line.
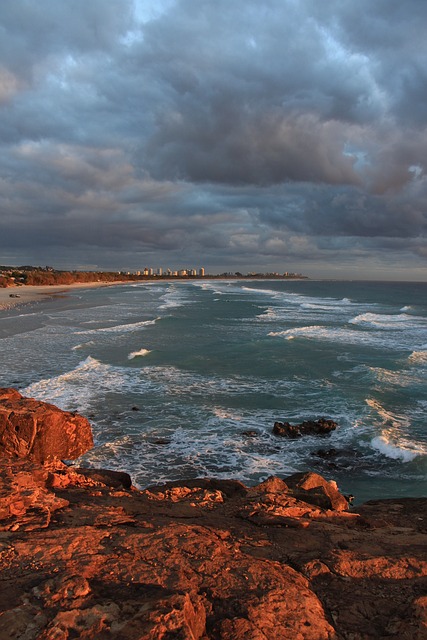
x,y
174,298
312,331
121,328
319,332
389,339
209,286
315,306
269,292
325,304
396,378
224,414
388,322
270,314
403,450
73,388
389,418
418,357
88,381
140,353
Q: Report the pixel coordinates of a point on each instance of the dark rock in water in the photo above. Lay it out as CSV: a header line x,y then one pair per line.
x,y
40,431
250,434
344,459
319,427
326,453
161,441
135,408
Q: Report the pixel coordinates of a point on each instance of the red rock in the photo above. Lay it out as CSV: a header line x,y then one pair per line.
x,y
83,557
314,489
111,564
40,431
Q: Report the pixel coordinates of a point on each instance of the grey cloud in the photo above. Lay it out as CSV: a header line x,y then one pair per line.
x,y
240,131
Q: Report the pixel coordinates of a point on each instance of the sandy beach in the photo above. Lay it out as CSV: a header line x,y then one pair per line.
x,y
29,293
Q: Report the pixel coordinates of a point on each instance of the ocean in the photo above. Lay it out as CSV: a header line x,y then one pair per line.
x,y
185,379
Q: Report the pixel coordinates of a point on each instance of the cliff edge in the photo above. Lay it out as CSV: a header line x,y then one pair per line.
x,y
83,554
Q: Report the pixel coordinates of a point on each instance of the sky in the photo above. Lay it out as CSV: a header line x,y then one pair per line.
x,y
237,135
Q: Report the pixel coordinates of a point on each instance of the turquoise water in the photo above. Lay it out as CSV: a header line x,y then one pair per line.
x,y
172,375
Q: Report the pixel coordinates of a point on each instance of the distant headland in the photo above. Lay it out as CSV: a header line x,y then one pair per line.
x,y
45,276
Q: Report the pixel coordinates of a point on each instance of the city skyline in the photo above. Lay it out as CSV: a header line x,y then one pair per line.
x,y
242,135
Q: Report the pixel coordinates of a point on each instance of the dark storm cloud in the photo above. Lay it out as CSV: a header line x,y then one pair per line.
x,y
243,132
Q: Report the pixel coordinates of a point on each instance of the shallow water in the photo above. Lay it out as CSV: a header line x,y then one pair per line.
x,y
206,361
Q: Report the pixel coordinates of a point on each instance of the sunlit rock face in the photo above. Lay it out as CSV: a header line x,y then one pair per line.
x,y
40,431
86,555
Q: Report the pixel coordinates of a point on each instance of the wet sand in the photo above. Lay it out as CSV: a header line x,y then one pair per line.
x,y
29,293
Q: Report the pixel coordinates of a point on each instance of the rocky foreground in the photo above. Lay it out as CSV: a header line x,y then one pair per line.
x,y
83,554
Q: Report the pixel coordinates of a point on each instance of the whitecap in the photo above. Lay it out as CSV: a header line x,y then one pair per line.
x,y
418,357
224,414
86,383
388,322
140,353
405,450
174,298
356,336
319,332
268,315
389,418
121,328
397,378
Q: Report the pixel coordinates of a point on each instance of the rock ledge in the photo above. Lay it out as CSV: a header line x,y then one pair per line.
x,y
85,555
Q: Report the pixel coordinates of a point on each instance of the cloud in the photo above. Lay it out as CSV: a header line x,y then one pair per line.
x,y
244,132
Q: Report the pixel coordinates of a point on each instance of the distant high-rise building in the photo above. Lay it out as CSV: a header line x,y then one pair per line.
x,y
160,271
201,272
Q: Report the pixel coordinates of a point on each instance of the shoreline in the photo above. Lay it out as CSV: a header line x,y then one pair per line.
x,y
37,293
86,552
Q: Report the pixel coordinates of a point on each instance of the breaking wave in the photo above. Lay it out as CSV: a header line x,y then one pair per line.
x,y
404,450
384,322
137,354
121,328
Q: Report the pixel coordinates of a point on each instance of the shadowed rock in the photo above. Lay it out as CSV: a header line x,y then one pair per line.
x,y
314,489
319,427
116,479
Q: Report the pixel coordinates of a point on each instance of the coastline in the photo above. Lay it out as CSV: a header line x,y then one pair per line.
x,y
87,554
37,293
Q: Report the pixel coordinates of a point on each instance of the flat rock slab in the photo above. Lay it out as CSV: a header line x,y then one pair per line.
x,y
204,560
